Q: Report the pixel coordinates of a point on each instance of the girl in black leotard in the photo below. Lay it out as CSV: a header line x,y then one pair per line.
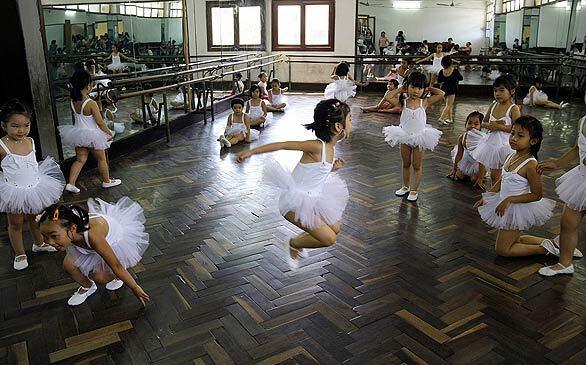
x,y
449,77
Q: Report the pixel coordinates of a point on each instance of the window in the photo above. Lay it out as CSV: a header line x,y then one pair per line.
x,y
306,25
235,25
489,17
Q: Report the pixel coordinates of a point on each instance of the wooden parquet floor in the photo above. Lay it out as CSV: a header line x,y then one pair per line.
x,y
405,283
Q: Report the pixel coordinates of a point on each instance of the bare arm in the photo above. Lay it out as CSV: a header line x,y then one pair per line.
x,y
264,108
425,59
229,122
98,117
97,237
459,152
311,147
246,119
436,95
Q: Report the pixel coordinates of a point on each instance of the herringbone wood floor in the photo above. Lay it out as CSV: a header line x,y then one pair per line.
x,y
405,283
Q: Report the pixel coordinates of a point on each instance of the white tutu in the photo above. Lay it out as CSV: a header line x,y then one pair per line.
x,y
312,208
492,152
279,99
74,136
571,188
467,164
537,96
126,235
517,216
433,69
427,139
239,128
36,196
340,90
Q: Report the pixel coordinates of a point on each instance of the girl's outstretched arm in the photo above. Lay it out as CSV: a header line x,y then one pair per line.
x,y
311,147
572,155
101,246
425,58
436,95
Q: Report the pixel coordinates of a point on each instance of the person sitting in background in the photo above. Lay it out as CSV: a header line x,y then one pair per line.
x,y
423,48
237,84
516,45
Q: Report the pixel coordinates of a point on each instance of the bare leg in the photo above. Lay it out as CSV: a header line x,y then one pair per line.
x,y
235,139
76,274
257,122
548,104
368,109
100,156
417,167
81,154
393,110
15,223
323,236
406,157
450,105
510,244
102,277
34,230
570,226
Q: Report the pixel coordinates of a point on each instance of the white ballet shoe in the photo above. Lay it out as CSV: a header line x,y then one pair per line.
x,y
72,189
577,253
291,261
79,297
114,284
43,248
20,262
551,271
224,141
111,183
403,191
413,196
550,247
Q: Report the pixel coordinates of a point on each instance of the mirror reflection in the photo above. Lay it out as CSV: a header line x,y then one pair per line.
x,y
113,42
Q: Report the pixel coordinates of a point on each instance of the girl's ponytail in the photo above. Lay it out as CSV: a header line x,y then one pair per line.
x,y
79,81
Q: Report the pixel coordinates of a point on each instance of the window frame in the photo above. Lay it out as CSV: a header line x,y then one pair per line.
x,y
302,47
210,4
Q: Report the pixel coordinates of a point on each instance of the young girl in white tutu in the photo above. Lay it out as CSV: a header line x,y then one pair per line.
x,y
89,133
413,133
312,197
238,126
277,96
436,65
256,108
537,97
515,203
343,86
101,244
499,118
571,188
26,187
465,166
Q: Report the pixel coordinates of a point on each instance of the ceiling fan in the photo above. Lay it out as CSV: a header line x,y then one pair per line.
x,y
450,5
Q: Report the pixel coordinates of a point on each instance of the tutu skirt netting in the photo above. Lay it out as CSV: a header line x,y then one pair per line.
x,y
84,137
492,154
571,188
467,164
240,128
33,200
426,139
279,99
340,90
128,238
433,69
312,208
517,216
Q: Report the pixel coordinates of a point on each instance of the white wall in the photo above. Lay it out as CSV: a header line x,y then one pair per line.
x,y
464,23
345,23
553,26
514,27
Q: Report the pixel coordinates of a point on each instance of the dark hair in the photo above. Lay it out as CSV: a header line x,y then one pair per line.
x,y
13,107
78,82
408,61
237,75
327,113
236,101
416,79
535,129
342,69
275,80
66,215
90,62
394,82
254,87
262,73
507,81
476,114
78,66
447,61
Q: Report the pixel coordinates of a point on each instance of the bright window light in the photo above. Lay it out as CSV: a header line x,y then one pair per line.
x,y
561,4
406,4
